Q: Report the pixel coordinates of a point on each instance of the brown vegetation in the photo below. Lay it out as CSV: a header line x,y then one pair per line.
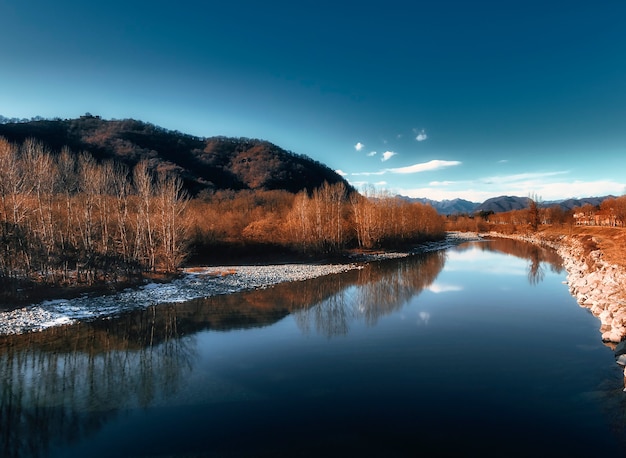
x,y
216,163
68,219
601,227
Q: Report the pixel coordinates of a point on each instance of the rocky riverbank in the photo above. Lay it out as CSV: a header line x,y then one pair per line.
x,y
595,283
194,283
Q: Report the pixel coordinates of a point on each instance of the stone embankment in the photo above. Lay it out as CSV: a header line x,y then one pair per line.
x,y
596,284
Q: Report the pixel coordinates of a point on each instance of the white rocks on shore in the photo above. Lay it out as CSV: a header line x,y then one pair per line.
x,y
195,283
600,288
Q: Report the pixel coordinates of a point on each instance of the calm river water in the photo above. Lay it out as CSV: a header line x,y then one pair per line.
x,y
474,351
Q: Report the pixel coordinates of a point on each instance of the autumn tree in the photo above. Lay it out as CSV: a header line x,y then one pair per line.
x,y
534,212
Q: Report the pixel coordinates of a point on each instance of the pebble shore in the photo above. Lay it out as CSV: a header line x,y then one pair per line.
x,y
195,283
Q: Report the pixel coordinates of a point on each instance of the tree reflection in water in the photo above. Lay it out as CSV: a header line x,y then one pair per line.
x,y
66,383
379,290
382,288
63,384
537,256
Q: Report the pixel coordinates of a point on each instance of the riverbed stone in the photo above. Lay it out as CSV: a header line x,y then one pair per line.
x,y
594,283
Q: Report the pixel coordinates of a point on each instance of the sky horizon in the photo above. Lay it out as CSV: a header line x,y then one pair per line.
x,y
441,100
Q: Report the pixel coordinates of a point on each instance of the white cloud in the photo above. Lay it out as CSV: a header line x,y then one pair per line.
x,y
416,168
359,146
443,288
521,185
527,178
435,164
341,172
380,183
421,136
367,174
387,155
371,153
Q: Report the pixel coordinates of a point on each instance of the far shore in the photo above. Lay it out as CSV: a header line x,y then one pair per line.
x,y
597,284
194,282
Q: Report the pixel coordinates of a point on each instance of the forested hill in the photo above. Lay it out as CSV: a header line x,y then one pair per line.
x,y
203,163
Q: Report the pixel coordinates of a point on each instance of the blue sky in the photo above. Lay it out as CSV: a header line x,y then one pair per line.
x,y
437,99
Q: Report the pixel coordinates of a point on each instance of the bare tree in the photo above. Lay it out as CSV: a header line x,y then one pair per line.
x,y
144,235
171,202
41,167
534,216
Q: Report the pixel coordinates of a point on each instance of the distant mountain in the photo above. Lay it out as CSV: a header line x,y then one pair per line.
x,y
204,163
573,203
508,203
448,207
501,204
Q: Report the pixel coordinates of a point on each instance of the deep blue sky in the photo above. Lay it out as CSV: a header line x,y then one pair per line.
x,y
436,99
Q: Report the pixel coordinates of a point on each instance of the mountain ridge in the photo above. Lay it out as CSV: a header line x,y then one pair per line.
x,y
204,163
219,162
501,204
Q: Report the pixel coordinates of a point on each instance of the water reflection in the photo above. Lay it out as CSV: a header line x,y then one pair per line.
x,y
64,384
537,256
379,290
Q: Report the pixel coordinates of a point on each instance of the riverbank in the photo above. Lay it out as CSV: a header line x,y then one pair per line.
x,y
194,282
596,274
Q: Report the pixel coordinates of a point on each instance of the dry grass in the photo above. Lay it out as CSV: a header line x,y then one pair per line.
x,y
610,240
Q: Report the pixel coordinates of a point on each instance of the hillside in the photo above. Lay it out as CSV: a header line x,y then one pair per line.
x,y
503,204
204,163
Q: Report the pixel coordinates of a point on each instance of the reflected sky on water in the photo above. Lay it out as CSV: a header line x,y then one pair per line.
x,y
466,351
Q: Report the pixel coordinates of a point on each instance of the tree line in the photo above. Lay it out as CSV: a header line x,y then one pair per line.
x,y
67,218
610,212
330,219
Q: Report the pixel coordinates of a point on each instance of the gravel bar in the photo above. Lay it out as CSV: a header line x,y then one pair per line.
x,y
195,283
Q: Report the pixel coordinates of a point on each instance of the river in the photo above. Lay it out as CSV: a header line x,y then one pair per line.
x,y
478,350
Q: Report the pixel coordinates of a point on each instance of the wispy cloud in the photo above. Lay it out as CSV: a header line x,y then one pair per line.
x,y
341,172
546,185
421,136
425,166
527,178
443,288
359,146
371,153
367,174
415,168
387,155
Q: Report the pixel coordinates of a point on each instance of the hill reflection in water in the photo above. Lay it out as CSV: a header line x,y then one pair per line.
x,y
66,383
